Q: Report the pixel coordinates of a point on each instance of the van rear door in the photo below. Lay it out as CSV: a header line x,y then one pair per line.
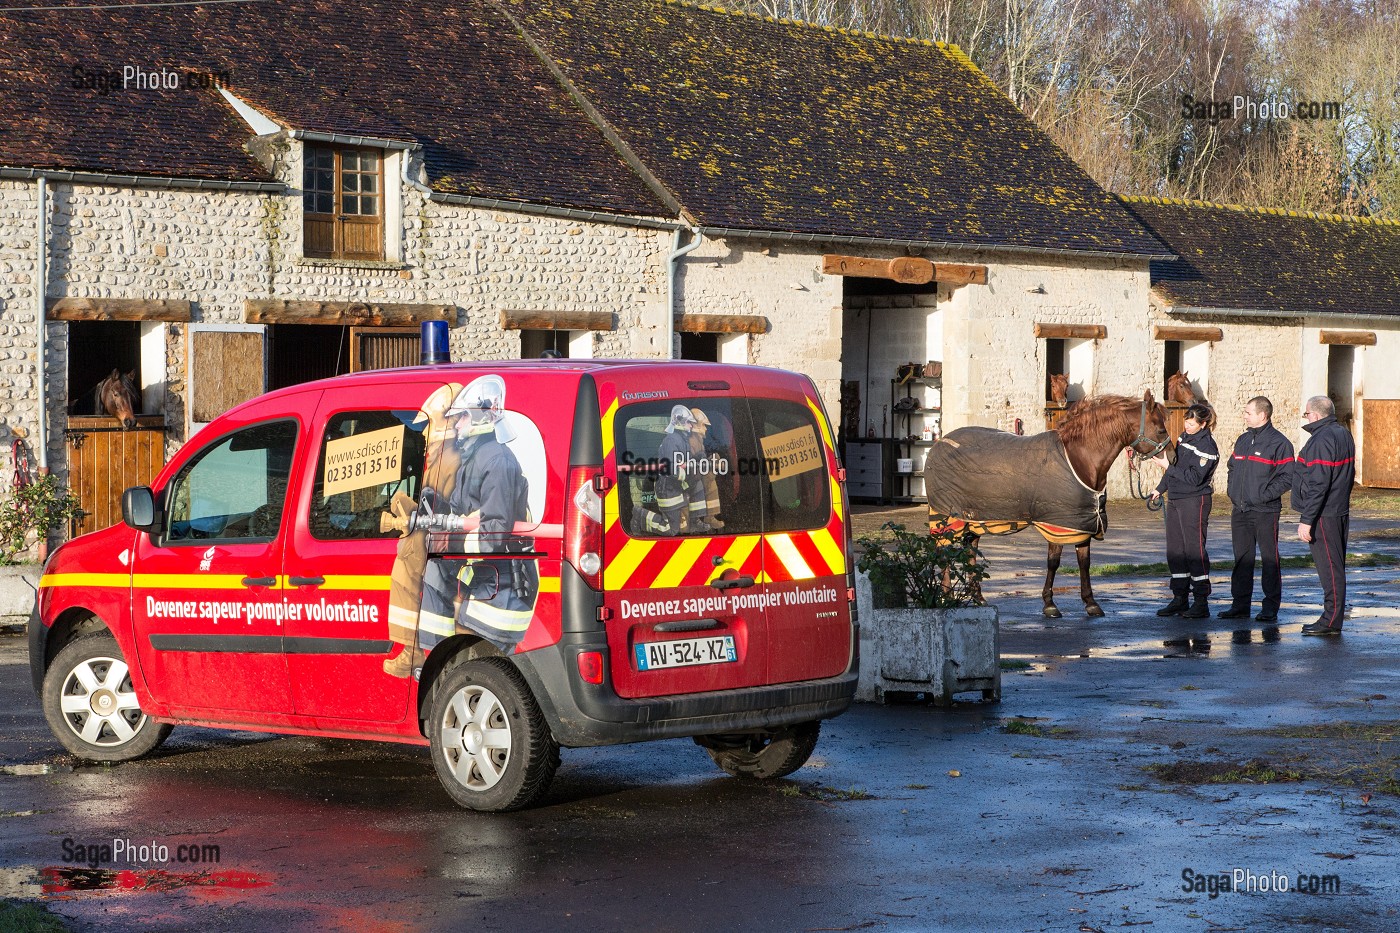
x,y
804,535
683,556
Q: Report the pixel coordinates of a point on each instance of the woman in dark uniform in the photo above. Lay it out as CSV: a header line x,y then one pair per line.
x,y
1187,484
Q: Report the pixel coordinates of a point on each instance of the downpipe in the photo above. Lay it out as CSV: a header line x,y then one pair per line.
x,y
672,264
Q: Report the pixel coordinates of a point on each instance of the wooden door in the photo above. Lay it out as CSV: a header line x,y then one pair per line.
x,y
103,460
1380,445
384,347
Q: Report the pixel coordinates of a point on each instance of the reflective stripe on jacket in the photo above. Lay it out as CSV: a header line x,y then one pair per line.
x,y
1196,460
1261,469
1324,472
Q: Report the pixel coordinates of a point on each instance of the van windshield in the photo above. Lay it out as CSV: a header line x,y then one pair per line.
x,y
731,466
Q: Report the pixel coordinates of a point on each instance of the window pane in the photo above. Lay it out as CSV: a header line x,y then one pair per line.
x,y
349,160
369,206
325,181
325,204
349,181
235,489
350,204
368,182
367,458
692,481
320,157
797,494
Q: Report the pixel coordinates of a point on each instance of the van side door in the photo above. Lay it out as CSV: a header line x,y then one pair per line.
x,y
206,604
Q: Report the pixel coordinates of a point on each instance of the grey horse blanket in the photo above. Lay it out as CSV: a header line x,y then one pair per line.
x,y
994,482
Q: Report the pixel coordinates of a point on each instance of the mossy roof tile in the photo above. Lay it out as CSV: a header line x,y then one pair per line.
x,y
1269,259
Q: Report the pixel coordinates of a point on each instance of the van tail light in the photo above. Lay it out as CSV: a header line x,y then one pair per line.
x,y
583,525
590,667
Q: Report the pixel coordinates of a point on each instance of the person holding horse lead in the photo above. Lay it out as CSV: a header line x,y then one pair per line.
x,y
1187,484
1261,471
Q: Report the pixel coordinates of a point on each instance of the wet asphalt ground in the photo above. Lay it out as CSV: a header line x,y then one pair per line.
x,y
909,817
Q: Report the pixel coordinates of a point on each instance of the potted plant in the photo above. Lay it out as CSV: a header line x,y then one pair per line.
x,y
924,627
30,513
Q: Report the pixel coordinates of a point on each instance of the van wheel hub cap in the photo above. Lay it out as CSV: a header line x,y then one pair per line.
x,y
476,737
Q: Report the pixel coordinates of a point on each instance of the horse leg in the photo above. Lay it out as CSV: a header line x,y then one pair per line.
x,y
1086,592
1052,564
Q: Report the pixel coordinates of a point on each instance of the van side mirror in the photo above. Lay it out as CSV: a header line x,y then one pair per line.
x,y
139,508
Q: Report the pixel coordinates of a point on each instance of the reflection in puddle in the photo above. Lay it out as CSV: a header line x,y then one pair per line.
x,y
32,770
72,880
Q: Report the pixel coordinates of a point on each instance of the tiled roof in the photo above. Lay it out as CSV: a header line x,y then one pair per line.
x,y
1273,260
782,126
456,78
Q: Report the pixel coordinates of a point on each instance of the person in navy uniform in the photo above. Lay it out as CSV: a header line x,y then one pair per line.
x,y
1322,481
1187,484
1261,471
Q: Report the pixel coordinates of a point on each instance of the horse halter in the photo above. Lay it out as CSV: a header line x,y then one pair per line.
x,y
1142,438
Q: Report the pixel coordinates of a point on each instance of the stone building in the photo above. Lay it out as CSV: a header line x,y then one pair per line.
x,y
604,177
1284,304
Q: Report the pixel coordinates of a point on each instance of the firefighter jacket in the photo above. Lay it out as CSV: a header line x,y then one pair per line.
x,y
1261,469
1196,459
1324,472
490,482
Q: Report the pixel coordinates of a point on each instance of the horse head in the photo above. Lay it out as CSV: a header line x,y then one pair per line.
x,y
1179,389
117,396
1153,436
1059,388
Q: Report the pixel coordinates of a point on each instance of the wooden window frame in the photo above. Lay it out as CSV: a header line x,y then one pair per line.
x,y
339,219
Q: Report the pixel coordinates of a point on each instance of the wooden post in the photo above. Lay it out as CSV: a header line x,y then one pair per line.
x,y
1348,338
1071,331
1174,332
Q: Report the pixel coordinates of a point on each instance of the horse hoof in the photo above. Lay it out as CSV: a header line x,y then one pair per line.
x,y
1051,612
1094,611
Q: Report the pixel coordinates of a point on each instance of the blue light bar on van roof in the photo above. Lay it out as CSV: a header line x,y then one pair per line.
x,y
712,385
434,337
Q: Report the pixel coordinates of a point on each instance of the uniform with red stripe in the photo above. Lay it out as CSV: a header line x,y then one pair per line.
x,y
1261,471
1322,481
1187,483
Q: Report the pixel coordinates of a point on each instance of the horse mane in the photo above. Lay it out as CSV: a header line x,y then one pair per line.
x,y
1093,420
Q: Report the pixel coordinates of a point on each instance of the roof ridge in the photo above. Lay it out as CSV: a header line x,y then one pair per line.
x,y
1269,211
859,33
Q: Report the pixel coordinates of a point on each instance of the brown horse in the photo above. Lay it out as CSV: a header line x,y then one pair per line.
x,y
117,396
1092,436
1059,388
1179,389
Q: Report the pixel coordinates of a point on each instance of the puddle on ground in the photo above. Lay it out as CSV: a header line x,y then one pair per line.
x,y
33,770
78,880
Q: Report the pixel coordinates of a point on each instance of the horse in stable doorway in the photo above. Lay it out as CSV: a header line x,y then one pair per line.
x,y
984,481
1179,391
115,396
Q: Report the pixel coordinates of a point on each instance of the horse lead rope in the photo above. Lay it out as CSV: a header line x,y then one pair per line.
x,y
1135,487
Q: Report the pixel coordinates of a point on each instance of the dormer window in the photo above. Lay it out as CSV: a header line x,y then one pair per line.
x,y
343,203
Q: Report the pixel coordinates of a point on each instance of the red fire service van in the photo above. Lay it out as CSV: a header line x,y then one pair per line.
x,y
495,559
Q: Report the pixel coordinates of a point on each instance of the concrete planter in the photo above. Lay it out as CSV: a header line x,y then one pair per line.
x,y
18,585
941,652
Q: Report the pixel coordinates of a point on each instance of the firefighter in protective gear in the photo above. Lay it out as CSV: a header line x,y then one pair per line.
x,y
411,560
700,449
494,596
1187,483
679,493
1323,477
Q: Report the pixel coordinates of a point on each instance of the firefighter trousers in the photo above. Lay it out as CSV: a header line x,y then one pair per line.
x,y
1186,545
1250,531
1329,553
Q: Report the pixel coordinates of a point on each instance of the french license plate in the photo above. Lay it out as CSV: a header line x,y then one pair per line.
x,y
684,652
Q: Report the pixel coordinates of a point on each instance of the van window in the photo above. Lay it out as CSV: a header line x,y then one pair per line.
x,y
234,489
688,467
367,458
797,494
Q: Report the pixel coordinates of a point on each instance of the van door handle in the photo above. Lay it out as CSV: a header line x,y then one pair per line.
x,y
259,581
737,582
305,581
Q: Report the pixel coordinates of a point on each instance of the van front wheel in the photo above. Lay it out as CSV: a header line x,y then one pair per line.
x,y
491,745
764,755
91,707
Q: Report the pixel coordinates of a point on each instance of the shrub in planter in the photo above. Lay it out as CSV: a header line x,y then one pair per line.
x,y
914,569
30,513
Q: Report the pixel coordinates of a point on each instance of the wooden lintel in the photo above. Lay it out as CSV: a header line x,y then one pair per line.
x,y
1071,331
119,309
357,313
907,270
1348,338
557,320
1183,332
958,273
721,324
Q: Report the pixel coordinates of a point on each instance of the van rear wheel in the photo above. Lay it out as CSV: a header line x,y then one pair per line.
x,y
90,704
766,755
491,745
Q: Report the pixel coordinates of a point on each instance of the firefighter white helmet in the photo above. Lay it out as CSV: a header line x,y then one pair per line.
x,y
483,402
681,420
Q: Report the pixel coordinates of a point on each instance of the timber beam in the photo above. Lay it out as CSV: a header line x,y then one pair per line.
x,y
355,313
557,320
119,309
907,270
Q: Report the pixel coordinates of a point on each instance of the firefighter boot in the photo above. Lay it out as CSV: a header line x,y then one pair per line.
x,y
1174,608
409,659
1200,609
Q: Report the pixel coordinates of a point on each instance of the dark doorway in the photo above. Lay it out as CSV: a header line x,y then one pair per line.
x,y
703,348
299,353
95,348
533,343
1055,361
